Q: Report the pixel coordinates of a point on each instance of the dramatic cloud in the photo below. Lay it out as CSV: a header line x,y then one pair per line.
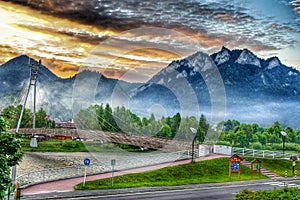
x,y
73,33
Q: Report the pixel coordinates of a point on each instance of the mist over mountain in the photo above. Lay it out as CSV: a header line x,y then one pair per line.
x,y
61,98
229,84
257,90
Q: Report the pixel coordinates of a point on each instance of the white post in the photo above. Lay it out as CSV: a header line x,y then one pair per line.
x,y
84,178
113,163
112,176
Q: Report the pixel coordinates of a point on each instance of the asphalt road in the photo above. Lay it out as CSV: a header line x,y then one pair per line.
x,y
224,191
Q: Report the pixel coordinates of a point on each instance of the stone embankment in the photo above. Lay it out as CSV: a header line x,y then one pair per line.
x,y
35,161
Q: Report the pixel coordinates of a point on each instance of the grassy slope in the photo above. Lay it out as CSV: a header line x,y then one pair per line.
x,y
209,171
279,166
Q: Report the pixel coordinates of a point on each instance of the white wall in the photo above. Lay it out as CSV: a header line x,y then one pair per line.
x,y
220,149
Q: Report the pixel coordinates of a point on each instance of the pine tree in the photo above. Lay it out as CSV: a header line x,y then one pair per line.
x,y
202,129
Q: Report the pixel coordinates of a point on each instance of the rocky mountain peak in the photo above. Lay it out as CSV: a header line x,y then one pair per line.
x,y
247,57
222,56
273,62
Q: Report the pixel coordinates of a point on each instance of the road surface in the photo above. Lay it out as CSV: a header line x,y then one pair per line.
x,y
224,191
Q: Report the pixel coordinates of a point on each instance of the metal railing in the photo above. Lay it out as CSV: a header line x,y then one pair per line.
x,y
59,173
261,153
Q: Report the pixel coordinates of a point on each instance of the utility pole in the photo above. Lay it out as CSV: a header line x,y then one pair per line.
x,y
34,70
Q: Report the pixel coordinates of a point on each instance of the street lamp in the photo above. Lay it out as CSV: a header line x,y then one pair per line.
x,y
283,141
194,131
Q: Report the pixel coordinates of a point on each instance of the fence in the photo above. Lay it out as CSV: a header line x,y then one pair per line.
x,y
261,153
59,173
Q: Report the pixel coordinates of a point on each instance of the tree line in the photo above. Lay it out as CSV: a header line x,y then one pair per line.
x,y
12,114
120,119
239,134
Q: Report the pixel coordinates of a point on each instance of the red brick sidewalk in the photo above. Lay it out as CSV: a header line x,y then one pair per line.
x,y
67,185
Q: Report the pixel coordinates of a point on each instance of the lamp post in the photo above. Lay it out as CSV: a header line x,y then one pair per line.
x,y
194,131
283,141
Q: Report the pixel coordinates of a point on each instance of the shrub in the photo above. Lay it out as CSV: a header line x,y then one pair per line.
x,y
223,143
288,146
285,193
291,146
276,146
267,147
257,145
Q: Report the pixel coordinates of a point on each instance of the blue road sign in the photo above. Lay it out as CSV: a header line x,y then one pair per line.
x,y
86,162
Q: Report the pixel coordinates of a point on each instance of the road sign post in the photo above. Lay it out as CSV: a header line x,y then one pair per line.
x,y
86,164
293,158
113,163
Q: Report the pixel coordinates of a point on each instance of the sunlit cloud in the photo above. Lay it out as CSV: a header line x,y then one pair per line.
x,y
107,35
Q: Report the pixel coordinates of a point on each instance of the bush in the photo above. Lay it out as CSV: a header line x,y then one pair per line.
x,y
298,148
257,145
285,193
223,143
267,148
291,146
288,146
276,146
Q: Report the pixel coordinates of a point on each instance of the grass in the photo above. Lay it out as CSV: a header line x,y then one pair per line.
x,y
281,167
55,146
209,171
75,146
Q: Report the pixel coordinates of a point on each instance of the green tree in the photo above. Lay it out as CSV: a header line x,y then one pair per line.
x,y
87,119
274,132
202,129
262,138
10,153
43,120
175,124
165,131
109,123
184,131
230,125
12,114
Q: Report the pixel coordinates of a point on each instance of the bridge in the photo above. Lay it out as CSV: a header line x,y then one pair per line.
x,y
144,141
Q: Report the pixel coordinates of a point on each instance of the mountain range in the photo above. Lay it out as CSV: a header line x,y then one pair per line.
x,y
229,84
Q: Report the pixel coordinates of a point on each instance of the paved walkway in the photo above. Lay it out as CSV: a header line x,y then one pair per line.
x,y
67,185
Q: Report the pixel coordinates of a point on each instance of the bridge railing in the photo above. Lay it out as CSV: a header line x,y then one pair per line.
x,y
261,153
58,173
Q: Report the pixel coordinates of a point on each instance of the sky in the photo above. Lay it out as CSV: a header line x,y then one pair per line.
x,y
133,40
